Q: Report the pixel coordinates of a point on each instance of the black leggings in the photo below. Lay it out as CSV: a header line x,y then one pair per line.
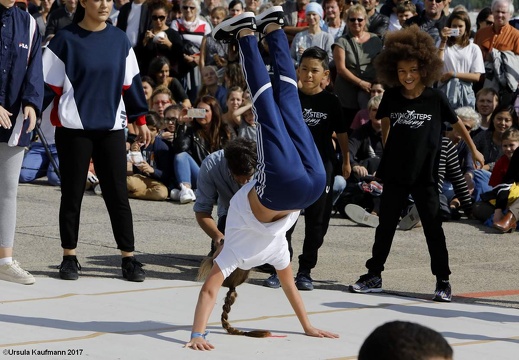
x,y
107,149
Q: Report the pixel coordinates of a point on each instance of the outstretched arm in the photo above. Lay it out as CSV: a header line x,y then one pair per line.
x,y
286,277
204,307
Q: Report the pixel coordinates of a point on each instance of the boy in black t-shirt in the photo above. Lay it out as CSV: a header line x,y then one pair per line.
x,y
412,113
322,113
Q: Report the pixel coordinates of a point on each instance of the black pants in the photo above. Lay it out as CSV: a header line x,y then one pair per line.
x,y
393,201
317,219
107,149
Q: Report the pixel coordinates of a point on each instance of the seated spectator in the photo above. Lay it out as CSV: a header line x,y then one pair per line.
x,y
235,8
405,10
148,85
470,119
234,76
159,71
194,143
365,145
362,115
172,116
214,52
507,196
247,126
487,99
234,102
150,170
42,16
161,99
399,340
313,36
37,163
211,87
488,142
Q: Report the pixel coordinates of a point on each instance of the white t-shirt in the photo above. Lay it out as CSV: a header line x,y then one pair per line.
x,y
249,242
132,29
464,60
394,24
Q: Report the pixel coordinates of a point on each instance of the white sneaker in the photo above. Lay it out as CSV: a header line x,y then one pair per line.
x,y
186,194
97,190
174,195
410,220
14,273
361,216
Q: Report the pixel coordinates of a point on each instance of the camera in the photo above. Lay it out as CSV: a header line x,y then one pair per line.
x,y
455,32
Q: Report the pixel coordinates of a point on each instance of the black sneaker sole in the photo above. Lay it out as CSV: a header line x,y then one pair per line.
x,y
134,278
243,21
68,276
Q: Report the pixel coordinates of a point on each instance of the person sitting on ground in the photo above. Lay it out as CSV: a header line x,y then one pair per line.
x,y
211,87
160,71
263,209
161,99
194,143
488,143
401,340
150,172
362,115
487,99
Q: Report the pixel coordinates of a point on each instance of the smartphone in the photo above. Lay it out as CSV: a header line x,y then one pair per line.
x,y
25,138
196,113
455,32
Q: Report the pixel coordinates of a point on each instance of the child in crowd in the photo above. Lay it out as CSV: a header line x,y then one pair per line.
x,y
211,87
247,128
405,10
363,115
150,173
509,142
265,208
412,113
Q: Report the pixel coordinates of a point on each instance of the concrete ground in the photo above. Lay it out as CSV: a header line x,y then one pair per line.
x,y
102,316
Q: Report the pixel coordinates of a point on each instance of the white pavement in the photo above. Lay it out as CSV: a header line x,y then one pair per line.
x,y
104,318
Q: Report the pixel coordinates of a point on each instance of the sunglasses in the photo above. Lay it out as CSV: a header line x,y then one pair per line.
x,y
354,2
185,7
437,1
359,20
156,17
170,120
489,23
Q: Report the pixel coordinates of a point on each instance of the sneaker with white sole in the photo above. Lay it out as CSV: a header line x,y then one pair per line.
x,y
174,195
13,272
228,30
186,194
361,216
367,283
273,15
410,220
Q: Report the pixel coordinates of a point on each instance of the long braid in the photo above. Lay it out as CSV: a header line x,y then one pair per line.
x,y
229,300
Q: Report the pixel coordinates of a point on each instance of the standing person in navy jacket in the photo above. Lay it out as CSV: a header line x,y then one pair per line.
x,y
86,67
21,96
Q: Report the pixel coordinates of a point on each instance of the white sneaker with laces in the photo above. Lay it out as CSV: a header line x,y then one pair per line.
x,y
357,214
13,272
186,194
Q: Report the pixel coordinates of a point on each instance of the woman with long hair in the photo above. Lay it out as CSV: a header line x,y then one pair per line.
x,y
463,61
91,71
193,143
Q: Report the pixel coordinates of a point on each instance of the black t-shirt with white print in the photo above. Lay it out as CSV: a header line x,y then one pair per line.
x,y
322,113
413,146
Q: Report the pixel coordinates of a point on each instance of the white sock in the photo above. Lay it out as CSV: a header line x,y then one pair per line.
x,y
6,260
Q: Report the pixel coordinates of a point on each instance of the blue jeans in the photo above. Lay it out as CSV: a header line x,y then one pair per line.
x,y
36,164
481,186
186,169
339,184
